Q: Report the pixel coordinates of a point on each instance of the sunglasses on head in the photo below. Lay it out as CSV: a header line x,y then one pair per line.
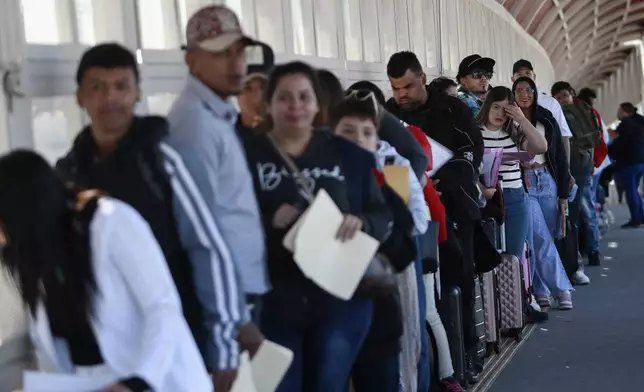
x,y
362,95
478,74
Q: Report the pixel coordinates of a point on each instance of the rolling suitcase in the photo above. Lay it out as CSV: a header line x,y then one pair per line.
x,y
510,289
490,291
452,317
479,322
511,296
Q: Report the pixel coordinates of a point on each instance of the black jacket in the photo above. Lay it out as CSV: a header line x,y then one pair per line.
x,y
331,163
628,148
556,158
135,175
450,122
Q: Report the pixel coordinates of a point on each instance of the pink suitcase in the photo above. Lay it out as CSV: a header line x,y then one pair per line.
x,y
511,295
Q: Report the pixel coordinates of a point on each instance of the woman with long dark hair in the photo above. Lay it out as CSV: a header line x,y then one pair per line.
x,y
504,126
548,181
290,164
95,282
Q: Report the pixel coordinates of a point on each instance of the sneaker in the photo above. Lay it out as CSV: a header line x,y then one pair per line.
x,y
565,301
543,300
594,259
580,278
450,385
536,316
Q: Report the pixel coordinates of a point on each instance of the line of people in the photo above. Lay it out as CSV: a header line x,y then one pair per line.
x,y
154,250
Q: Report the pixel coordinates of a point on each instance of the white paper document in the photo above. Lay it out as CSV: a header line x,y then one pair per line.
x,y
34,381
244,381
335,266
269,366
440,155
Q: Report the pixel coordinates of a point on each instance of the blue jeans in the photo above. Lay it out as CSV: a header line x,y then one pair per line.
x,y
549,273
325,334
588,208
423,364
517,219
629,178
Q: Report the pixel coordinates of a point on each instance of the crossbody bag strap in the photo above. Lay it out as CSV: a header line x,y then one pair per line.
x,y
292,167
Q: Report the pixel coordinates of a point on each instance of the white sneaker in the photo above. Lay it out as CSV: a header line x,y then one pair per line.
x,y
565,300
580,278
543,301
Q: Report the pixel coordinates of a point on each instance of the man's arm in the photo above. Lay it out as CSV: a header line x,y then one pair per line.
x,y
216,279
394,132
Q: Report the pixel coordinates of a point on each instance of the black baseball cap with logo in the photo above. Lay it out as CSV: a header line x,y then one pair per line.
x,y
261,60
475,62
519,65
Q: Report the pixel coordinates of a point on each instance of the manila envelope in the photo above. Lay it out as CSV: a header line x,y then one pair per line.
x,y
397,178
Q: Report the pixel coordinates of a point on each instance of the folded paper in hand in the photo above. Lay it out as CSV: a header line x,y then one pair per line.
x,y
440,155
397,178
244,381
492,158
269,366
335,266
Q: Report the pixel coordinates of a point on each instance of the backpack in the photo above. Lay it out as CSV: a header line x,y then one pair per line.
x,y
583,124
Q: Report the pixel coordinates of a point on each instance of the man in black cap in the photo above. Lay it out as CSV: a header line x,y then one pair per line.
x,y
474,74
250,99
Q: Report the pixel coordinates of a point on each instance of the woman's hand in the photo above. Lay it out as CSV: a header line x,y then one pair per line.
x,y
285,216
514,112
488,193
563,205
117,388
349,227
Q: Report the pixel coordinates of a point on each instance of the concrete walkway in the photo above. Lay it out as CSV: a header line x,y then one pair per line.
x,y
599,345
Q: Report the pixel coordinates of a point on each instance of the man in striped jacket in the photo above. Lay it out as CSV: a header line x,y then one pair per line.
x,y
129,158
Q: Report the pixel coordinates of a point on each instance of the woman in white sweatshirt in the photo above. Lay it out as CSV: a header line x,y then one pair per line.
x,y
94,280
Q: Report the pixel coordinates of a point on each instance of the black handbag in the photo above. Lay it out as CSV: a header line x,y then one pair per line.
x,y
429,248
486,256
379,279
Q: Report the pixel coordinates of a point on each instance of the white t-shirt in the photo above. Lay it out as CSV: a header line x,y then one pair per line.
x,y
541,158
510,172
548,102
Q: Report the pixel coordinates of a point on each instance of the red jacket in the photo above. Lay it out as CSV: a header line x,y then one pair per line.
x,y
433,200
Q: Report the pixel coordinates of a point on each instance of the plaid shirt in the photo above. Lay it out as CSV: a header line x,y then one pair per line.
x,y
470,100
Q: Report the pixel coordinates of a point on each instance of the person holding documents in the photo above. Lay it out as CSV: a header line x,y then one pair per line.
x,y
548,181
292,165
100,296
503,125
